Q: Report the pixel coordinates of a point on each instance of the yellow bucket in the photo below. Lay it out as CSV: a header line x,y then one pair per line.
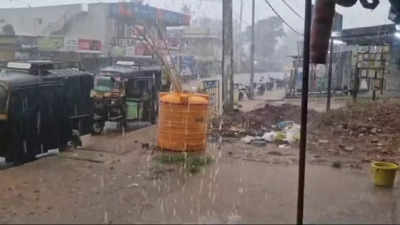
x,y
384,173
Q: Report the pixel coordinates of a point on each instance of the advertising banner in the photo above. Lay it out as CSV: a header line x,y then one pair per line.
x,y
146,13
89,45
50,43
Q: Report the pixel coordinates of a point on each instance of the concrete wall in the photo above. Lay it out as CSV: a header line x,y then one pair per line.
x,y
92,25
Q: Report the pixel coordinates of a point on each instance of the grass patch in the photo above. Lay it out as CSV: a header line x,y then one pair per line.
x,y
192,163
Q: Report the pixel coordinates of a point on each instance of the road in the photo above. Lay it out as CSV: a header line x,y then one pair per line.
x,y
114,178
102,184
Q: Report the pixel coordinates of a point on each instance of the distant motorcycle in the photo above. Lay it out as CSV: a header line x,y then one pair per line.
x,y
261,88
244,90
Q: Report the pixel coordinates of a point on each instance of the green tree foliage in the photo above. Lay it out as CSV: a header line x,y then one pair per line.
x,y
267,34
8,30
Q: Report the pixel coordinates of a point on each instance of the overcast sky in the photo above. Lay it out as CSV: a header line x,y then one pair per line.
x,y
353,17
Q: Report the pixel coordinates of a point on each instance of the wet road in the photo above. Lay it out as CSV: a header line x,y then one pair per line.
x,y
129,187
114,179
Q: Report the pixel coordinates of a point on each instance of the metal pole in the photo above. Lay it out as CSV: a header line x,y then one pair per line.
x,y
239,41
373,86
304,107
252,49
223,73
227,61
328,101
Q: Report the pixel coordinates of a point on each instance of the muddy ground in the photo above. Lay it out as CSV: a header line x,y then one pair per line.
x,y
114,178
363,131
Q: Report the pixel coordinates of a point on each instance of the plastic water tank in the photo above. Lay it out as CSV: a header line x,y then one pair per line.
x,y
183,122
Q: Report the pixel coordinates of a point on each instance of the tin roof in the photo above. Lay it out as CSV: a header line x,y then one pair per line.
x,y
130,69
15,79
373,35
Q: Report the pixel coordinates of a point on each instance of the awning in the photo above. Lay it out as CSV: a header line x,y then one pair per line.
x,y
374,35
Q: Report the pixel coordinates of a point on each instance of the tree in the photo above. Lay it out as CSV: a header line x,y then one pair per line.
x,y
8,30
288,47
267,34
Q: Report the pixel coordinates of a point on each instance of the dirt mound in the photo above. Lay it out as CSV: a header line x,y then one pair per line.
x,y
239,124
366,130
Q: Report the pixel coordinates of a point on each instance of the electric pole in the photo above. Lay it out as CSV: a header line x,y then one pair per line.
x,y
227,56
252,48
239,41
328,100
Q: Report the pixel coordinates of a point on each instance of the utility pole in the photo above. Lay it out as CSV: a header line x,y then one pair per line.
x,y
328,101
304,112
227,56
239,41
252,48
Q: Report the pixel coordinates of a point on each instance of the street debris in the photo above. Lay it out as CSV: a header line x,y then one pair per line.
x,y
258,122
362,130
269,136
337,164
248,139
133,185
270,124
283,146
349,148
322,141
365,130
289,133
284,124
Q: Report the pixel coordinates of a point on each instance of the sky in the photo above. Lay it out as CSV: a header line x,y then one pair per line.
x,y
355,16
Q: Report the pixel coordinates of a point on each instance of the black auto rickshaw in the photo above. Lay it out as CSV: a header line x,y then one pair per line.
x,y
41,109
126,92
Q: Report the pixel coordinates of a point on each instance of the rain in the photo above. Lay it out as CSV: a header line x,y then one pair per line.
x,y
199,111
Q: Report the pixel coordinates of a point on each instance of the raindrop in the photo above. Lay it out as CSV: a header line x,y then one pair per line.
x,y
213,199
162,207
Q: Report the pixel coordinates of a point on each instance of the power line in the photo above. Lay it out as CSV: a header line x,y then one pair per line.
x,y
292,9
281,18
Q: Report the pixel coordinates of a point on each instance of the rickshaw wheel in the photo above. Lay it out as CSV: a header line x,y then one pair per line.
x,y
124,124
97,128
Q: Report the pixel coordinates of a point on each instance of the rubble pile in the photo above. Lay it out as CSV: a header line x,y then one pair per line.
x,y
257,122
369,130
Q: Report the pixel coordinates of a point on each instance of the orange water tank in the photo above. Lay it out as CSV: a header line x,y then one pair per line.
x,y
183,122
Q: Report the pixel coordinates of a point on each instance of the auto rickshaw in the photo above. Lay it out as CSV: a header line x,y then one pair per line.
x,y
125,92
42,109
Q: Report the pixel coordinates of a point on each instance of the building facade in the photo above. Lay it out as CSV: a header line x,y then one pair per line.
x,y
100,29
197,51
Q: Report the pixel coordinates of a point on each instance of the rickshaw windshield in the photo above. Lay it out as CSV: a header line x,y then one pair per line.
x,y
104,84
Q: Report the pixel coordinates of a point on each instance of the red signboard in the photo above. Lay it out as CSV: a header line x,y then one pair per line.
x,y
90,45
